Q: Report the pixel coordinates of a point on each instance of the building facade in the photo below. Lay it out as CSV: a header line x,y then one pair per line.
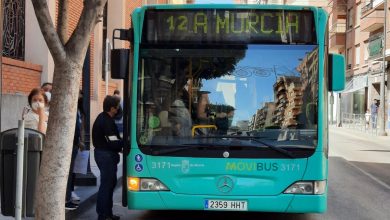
x,y
357,31
27,62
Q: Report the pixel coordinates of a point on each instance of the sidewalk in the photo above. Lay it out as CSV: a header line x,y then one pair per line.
x,y
88,194
358,146
361,134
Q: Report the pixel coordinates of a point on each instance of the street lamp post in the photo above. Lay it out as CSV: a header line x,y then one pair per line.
x,y
382,118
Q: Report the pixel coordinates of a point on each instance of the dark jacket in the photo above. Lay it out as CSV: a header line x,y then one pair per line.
x,y
222,125
104,133
77,131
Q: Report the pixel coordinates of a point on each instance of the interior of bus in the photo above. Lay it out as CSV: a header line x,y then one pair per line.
x,y
250,91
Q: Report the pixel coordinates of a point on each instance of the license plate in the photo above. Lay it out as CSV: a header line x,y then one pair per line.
x,y
236,205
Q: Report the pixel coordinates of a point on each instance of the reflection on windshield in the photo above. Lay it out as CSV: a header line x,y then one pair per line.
x,y
253,90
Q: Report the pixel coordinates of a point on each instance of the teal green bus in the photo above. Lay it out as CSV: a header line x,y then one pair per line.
x,y
227,107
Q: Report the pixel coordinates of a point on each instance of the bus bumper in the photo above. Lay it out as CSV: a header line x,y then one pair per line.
x,y
280,203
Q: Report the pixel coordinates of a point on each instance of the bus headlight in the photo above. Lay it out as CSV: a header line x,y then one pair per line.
x,y
145,184
307,187
152,185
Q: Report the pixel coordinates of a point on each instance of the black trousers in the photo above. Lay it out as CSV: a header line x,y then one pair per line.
x,y
107,163
70,185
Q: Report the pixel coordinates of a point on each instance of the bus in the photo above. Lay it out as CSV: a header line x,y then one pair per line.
x,y
226,107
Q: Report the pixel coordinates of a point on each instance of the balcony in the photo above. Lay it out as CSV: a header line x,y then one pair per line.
x,y
372,21
378,4
337,41
337,34
338,27
367,7
372,5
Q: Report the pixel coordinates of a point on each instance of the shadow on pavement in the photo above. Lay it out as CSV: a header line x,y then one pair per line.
x,y
176,215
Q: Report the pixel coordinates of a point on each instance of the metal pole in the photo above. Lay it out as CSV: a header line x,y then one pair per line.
x,y
276,77
1,59
382,118
106,64
19,171
338,111
331,107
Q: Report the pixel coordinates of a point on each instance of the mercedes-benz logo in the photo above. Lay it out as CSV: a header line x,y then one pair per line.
x,y
225,184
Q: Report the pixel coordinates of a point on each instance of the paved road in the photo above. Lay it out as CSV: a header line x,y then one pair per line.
x,y
359,186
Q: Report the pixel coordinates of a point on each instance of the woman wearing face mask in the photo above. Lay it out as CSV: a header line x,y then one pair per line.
x,y
36,117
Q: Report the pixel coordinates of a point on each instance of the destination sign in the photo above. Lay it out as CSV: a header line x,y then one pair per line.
x,y
223,26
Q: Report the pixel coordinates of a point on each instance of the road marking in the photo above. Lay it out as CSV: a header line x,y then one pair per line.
x,y
370,176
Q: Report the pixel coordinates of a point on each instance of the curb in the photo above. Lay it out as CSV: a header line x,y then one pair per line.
x,y
88,200
360,134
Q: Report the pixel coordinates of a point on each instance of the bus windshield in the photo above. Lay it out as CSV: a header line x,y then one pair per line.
x,y
253,100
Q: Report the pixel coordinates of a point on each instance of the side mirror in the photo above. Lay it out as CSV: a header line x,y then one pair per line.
x,y
119,63
336,74
120,57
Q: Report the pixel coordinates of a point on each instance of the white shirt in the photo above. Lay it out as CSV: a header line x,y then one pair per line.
x,y
31,120
367,115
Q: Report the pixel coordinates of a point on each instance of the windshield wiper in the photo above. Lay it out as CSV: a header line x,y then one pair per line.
x,y
273,147
229,136
254,138
184,147
207,145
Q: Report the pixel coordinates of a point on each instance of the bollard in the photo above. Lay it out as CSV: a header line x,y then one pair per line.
x,y
19,171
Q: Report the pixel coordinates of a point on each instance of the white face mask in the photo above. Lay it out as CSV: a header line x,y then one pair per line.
x,y
36,105
48,95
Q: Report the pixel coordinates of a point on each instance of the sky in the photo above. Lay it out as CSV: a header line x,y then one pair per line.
x,y
246,93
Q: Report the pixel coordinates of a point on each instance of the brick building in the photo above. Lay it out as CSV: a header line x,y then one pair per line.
x,y
357,31
263,116
27,62
286,90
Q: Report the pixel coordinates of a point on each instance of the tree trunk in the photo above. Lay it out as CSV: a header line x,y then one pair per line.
x,y
68,59
51,187
62,21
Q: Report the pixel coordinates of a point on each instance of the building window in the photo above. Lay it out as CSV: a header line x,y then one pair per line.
x,y
357,55
358,14
13,29
349,58
150,2
366,52
350,18
367,6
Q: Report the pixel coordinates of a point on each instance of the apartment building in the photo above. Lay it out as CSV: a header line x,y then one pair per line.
x,y
27,63
357,31
319,3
